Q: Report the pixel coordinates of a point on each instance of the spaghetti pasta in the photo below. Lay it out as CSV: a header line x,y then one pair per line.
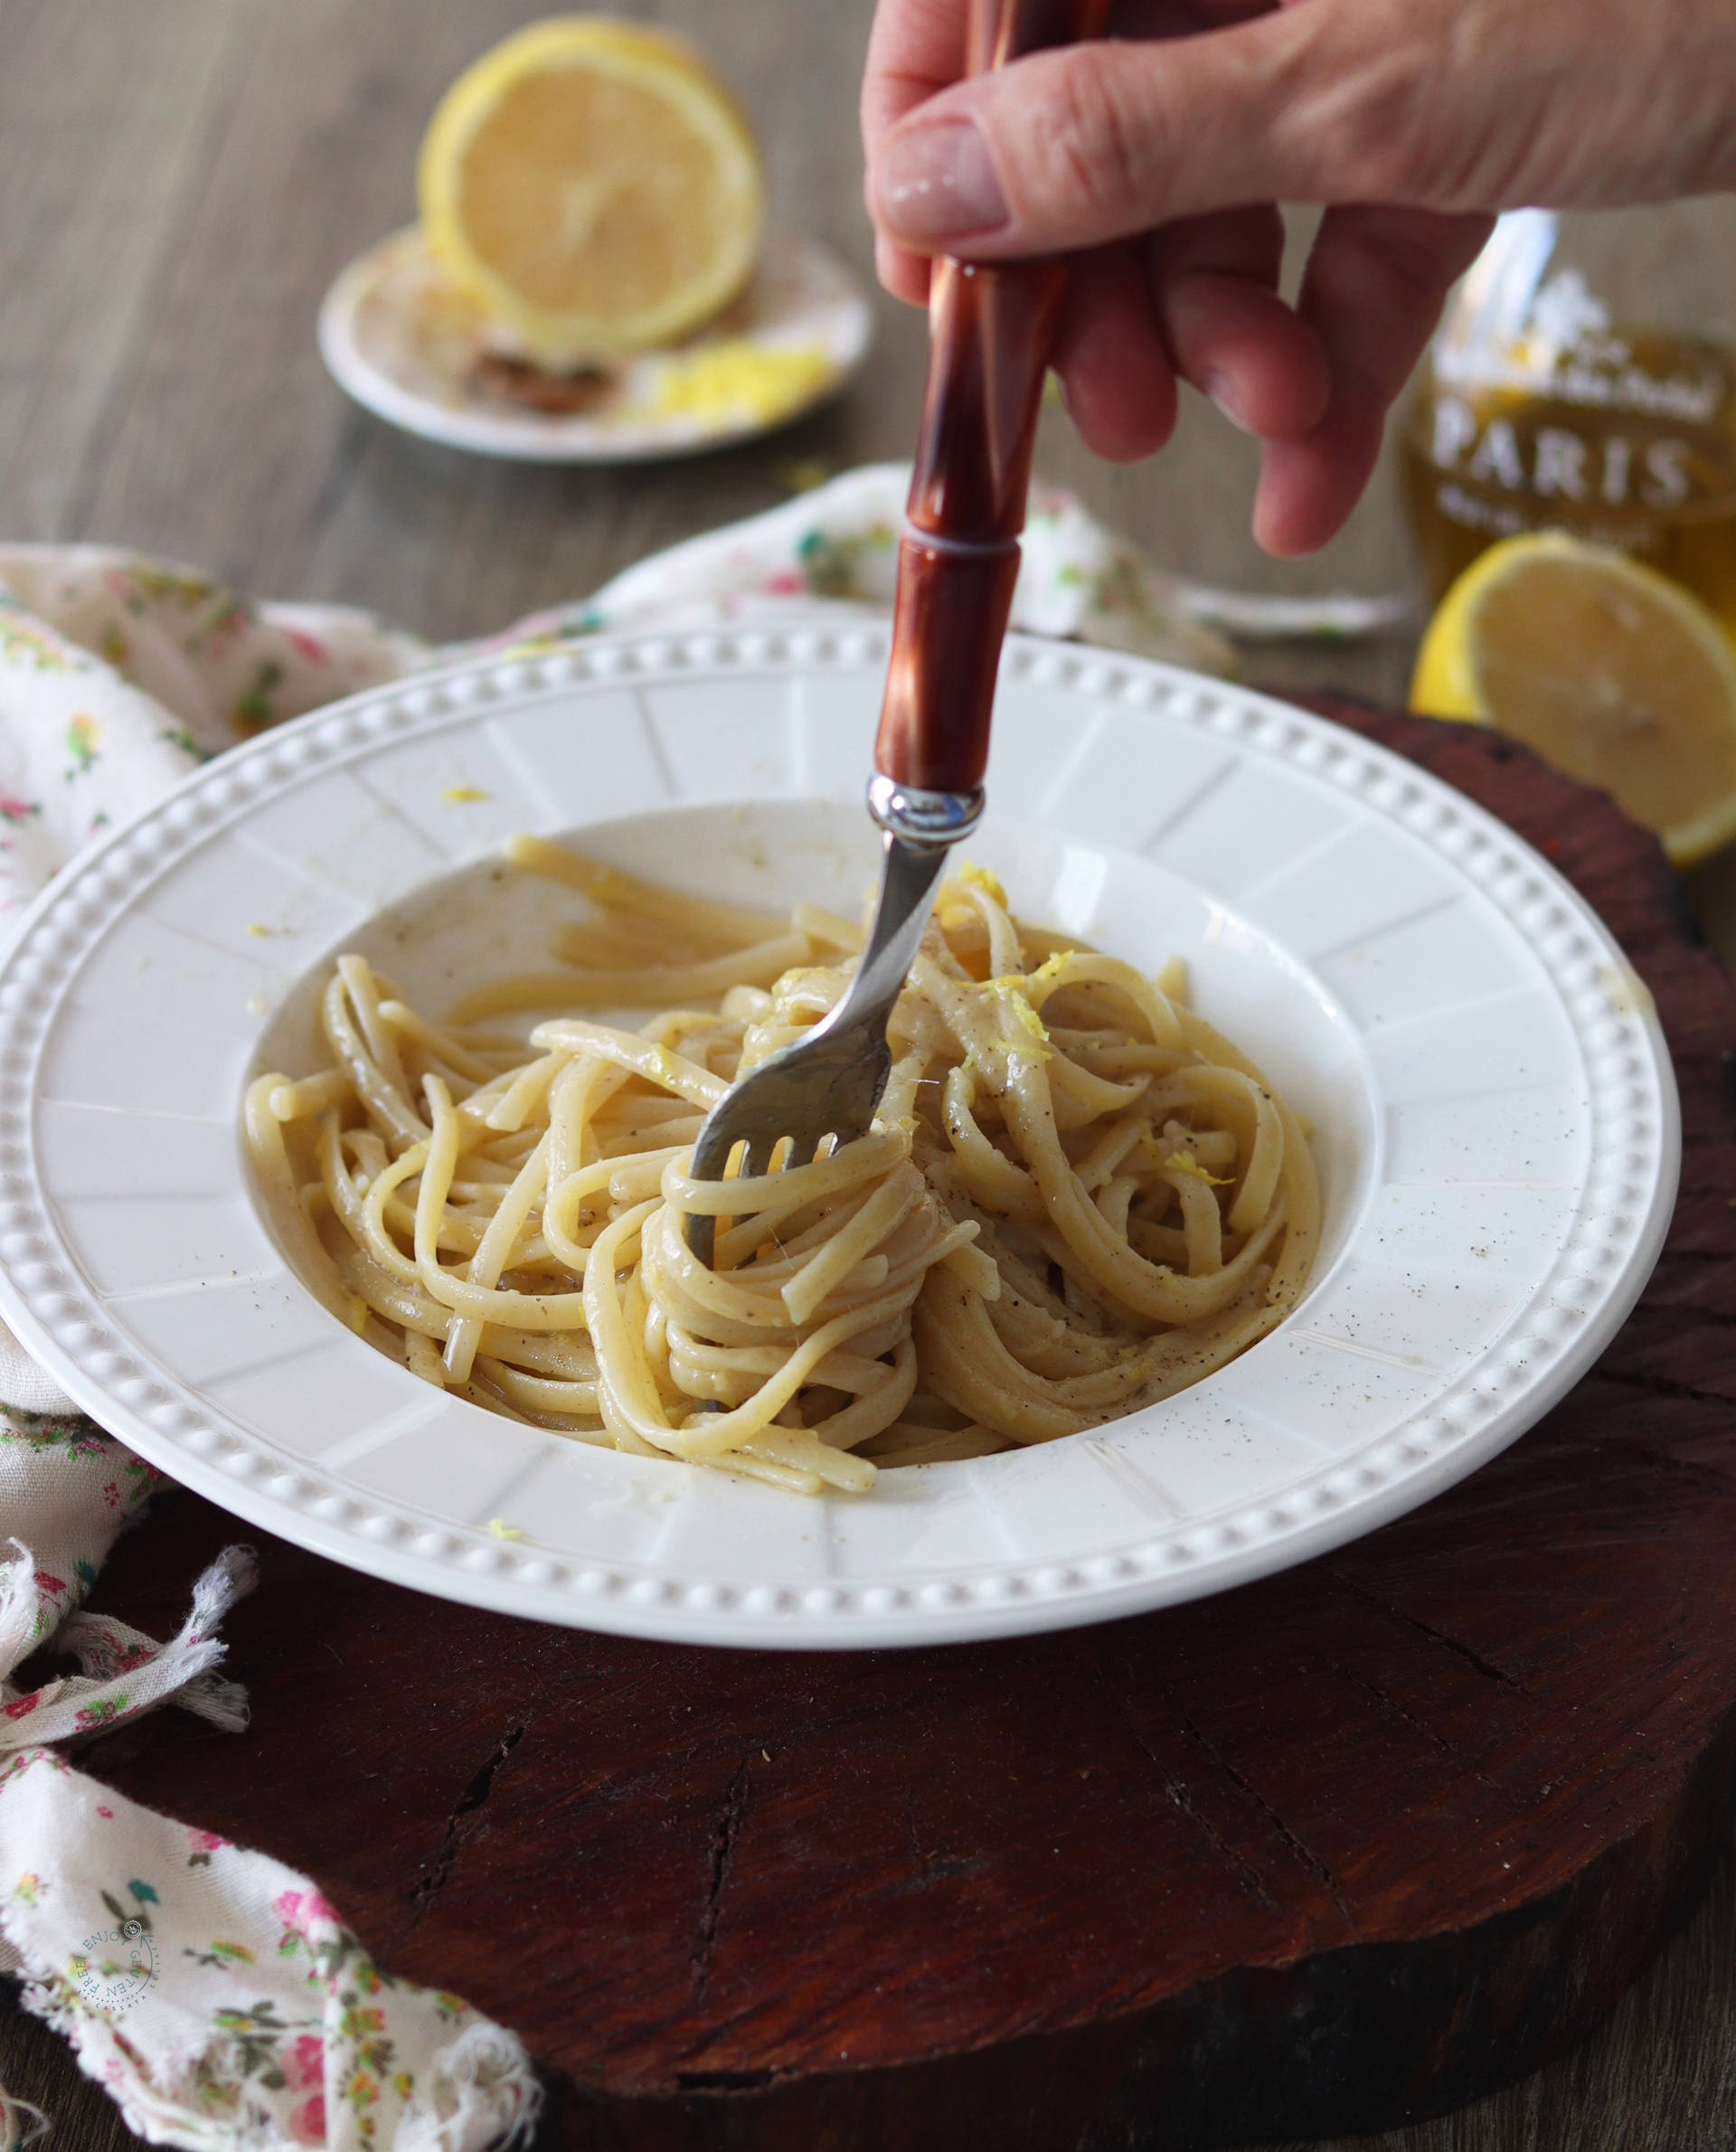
x,y
1077,1198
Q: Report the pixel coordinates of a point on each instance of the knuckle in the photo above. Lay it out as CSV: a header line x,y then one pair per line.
x,y
1381,120
1096,146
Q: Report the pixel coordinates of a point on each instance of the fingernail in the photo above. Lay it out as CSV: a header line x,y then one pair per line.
x,y
1217,387
938,181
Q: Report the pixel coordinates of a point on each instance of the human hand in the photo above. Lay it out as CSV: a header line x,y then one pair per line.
x,y
1157,157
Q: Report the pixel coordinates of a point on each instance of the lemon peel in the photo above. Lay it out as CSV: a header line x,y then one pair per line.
x,y
1608,670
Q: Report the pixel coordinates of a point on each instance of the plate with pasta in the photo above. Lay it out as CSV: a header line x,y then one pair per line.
x,y
1271,1138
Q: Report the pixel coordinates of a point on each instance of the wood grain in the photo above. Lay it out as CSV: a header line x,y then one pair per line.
x,y
1348,1846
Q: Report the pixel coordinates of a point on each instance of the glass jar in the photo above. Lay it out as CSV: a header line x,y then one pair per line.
x,y
1583,379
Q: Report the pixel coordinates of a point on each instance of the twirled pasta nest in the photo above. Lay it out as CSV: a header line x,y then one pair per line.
x,y
1077,1198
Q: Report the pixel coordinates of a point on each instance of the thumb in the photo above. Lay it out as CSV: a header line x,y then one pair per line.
x,y
1081,146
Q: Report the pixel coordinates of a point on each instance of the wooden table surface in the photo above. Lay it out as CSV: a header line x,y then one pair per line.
x,y
179,182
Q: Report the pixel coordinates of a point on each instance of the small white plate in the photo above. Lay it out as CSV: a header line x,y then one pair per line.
x,y
1498,1137
405,344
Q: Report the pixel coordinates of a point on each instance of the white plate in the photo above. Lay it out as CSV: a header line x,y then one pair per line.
x,y
1499,1131
400,340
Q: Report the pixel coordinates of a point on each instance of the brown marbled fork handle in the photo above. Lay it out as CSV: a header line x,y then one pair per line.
x,y
990,326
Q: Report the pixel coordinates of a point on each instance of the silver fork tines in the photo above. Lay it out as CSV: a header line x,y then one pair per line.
x,y
829,1083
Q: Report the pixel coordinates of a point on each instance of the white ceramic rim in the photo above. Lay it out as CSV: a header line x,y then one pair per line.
x,y
532,436
1617,1230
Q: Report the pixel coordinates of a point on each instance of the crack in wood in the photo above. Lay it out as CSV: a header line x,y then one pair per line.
x,y
725,1831
1176,1788
1393,1708
460,1826
1305,1853
1473,1659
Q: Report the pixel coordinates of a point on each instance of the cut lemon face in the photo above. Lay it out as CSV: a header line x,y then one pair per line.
x,y
1612,673
593,187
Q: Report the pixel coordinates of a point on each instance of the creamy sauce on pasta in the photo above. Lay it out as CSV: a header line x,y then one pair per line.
x,y
1076,1199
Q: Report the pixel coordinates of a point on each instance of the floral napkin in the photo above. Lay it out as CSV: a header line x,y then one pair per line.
x,y
213,1991
221,2000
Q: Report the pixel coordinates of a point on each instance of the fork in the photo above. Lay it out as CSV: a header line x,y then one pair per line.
x,y
990,326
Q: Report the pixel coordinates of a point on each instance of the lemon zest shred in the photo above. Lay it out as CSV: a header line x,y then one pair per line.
x,y
1185,1162
1027,1019
1035,1046
983,878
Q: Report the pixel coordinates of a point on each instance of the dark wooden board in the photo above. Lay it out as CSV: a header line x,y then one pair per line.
x,y
1348,1846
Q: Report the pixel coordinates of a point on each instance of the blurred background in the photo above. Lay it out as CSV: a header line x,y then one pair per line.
x,y
180,181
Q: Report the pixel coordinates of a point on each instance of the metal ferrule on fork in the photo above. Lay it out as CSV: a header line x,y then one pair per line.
x,y
924,818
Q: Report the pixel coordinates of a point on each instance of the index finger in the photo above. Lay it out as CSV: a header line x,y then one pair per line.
x,y
915,48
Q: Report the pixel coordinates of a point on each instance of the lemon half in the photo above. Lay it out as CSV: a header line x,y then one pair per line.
x,y
593,187
1611,671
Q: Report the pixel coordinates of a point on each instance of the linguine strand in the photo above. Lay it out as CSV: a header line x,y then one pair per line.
x,y
1077,1198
